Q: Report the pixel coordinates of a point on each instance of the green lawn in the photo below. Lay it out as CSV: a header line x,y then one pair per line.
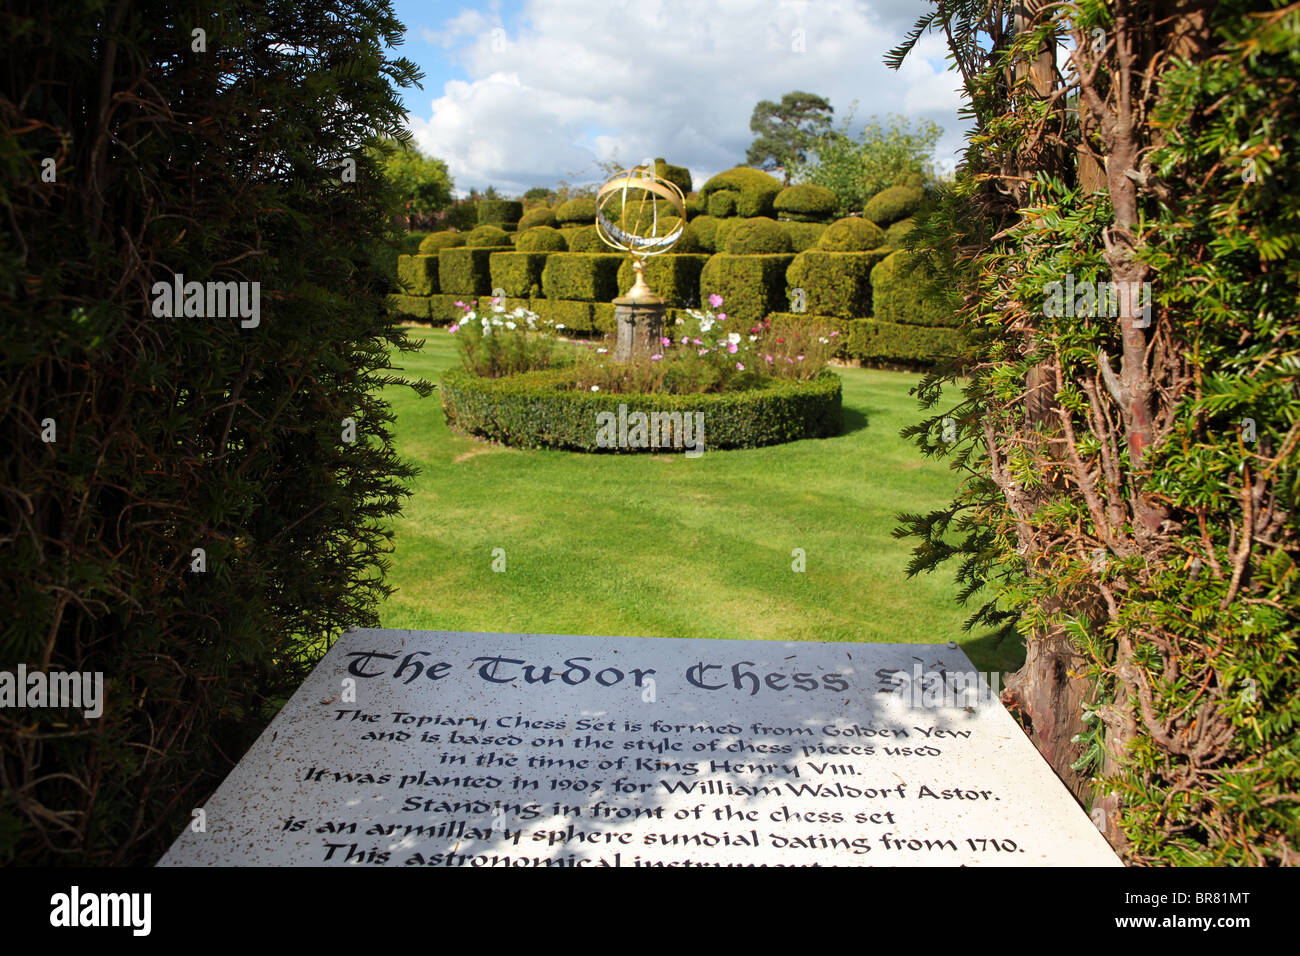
x,y
662,545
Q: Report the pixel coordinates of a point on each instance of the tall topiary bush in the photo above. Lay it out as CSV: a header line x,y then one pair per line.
x,y
187,509
1129,455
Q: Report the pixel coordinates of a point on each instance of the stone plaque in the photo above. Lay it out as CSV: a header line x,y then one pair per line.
x,y
431,748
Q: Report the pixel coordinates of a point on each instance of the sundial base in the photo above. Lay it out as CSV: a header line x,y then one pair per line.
x,y
640,327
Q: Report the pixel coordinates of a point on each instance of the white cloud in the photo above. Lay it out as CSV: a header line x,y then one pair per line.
x,y
582,80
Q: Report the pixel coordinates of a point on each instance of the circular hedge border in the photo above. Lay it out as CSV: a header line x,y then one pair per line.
x,y
535,410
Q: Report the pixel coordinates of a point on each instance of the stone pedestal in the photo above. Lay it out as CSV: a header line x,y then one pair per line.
x,y
638,320
640,326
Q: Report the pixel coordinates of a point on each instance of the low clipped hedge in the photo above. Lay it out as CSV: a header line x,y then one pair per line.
x,y
750,286
897,295
851,234
892,204
435,242
572,315
576,212
674,277
487,236
465,270
541,239
536,410
834,283
756,237
541,216
499,212
517,273
415,307
803,235
418,275
806,203
874,342
590,277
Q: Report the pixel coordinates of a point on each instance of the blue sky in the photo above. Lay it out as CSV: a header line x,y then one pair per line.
x,y
521,93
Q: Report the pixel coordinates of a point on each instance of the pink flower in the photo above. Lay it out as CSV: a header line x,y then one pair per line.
x,y
769,359
800,358
833,334
460,305
665,341
715,300
740,367
731,347
722,317
655,358
454,329
788,360
698,342
704,352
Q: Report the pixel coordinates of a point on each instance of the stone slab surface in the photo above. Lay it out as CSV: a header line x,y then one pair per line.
x,y
432,748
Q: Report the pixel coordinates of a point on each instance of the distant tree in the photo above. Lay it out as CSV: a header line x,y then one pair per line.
x,y
422,182
883,155
786,131
539,196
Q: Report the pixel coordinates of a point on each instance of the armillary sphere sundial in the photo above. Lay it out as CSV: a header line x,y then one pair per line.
x,y
637,230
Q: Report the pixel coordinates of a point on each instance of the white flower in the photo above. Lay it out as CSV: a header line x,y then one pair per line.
x,y
733,338
680,320
511,326
822,339
560,326
595,388
753,338
601,351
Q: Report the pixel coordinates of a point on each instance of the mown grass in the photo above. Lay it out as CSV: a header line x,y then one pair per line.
x,y
665,546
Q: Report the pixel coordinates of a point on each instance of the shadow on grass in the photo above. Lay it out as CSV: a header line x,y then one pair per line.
x,y
999,650
851,420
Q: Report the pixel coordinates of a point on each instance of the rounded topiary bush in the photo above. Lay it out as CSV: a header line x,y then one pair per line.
x,y
434,241
706,231
722,204
487,236
584,239
542,410
851,234
541,239
499,212
542,216
892,204
803,235
895,233
695,207
576,212
756,190
679,176
806,203
689,241
916,180
757,236
722,231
